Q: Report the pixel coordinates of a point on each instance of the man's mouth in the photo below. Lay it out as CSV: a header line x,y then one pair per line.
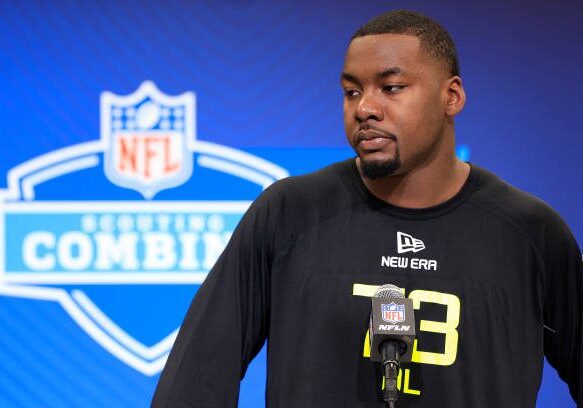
x,y
373,139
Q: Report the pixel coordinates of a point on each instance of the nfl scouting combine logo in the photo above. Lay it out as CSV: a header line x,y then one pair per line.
x,y
113,263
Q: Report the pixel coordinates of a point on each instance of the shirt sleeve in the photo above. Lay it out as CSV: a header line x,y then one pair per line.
x,y
227,322
563,306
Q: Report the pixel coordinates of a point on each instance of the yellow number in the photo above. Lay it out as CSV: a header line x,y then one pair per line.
x,y
448,327
366,350
404,387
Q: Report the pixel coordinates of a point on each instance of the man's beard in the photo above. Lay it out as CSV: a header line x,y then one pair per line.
x,y
377,169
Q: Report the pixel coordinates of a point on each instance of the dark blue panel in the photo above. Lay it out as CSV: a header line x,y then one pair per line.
x,y
265,75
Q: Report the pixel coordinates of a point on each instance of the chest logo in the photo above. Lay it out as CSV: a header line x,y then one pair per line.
x,y
406,243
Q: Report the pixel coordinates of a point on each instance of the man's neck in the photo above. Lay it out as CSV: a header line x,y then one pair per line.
x,y
422,187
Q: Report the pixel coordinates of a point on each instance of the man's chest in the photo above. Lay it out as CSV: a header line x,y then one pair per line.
x,y
468,282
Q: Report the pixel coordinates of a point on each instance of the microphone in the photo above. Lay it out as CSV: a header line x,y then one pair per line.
x,y
391,334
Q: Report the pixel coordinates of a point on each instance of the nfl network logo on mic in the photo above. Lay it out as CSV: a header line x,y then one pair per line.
x,y
393,313
79,226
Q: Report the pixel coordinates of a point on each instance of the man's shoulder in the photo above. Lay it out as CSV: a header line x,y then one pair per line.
x,y
311,197
516,206
334,179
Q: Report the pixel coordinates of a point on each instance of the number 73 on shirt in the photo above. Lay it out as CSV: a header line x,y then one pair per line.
x,y
447,328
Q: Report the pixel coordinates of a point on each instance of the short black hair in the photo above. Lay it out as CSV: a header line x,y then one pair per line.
x,y
433,37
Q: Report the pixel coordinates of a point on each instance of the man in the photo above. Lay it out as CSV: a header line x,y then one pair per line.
x,y
494,274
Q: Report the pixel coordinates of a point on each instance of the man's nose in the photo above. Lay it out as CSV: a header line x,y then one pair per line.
x,y
369,107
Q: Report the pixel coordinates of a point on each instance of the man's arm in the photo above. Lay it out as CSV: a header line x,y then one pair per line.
x,y
227,322
563,309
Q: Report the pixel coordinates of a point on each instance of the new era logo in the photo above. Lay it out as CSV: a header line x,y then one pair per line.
x,y
406,243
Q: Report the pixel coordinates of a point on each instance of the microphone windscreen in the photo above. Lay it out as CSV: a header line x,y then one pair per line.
x,y
389,291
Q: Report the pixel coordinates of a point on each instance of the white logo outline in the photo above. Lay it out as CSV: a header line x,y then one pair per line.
x,y
407,243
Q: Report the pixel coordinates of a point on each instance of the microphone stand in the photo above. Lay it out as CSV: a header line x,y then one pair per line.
x,y
390,359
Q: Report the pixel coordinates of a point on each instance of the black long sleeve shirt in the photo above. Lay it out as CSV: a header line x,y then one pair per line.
x,y
494,273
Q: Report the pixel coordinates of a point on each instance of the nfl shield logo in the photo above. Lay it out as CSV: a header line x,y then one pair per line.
x,y
393,313
147,137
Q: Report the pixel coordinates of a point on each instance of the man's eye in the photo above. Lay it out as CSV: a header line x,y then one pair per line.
x,y
393,88
351,93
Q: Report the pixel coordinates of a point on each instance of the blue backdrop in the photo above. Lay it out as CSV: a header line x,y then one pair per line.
x,y
89,302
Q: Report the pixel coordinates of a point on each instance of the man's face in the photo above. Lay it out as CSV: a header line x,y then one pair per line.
x,y
394,103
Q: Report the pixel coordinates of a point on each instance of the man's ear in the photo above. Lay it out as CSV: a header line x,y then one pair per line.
x,y
456,96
